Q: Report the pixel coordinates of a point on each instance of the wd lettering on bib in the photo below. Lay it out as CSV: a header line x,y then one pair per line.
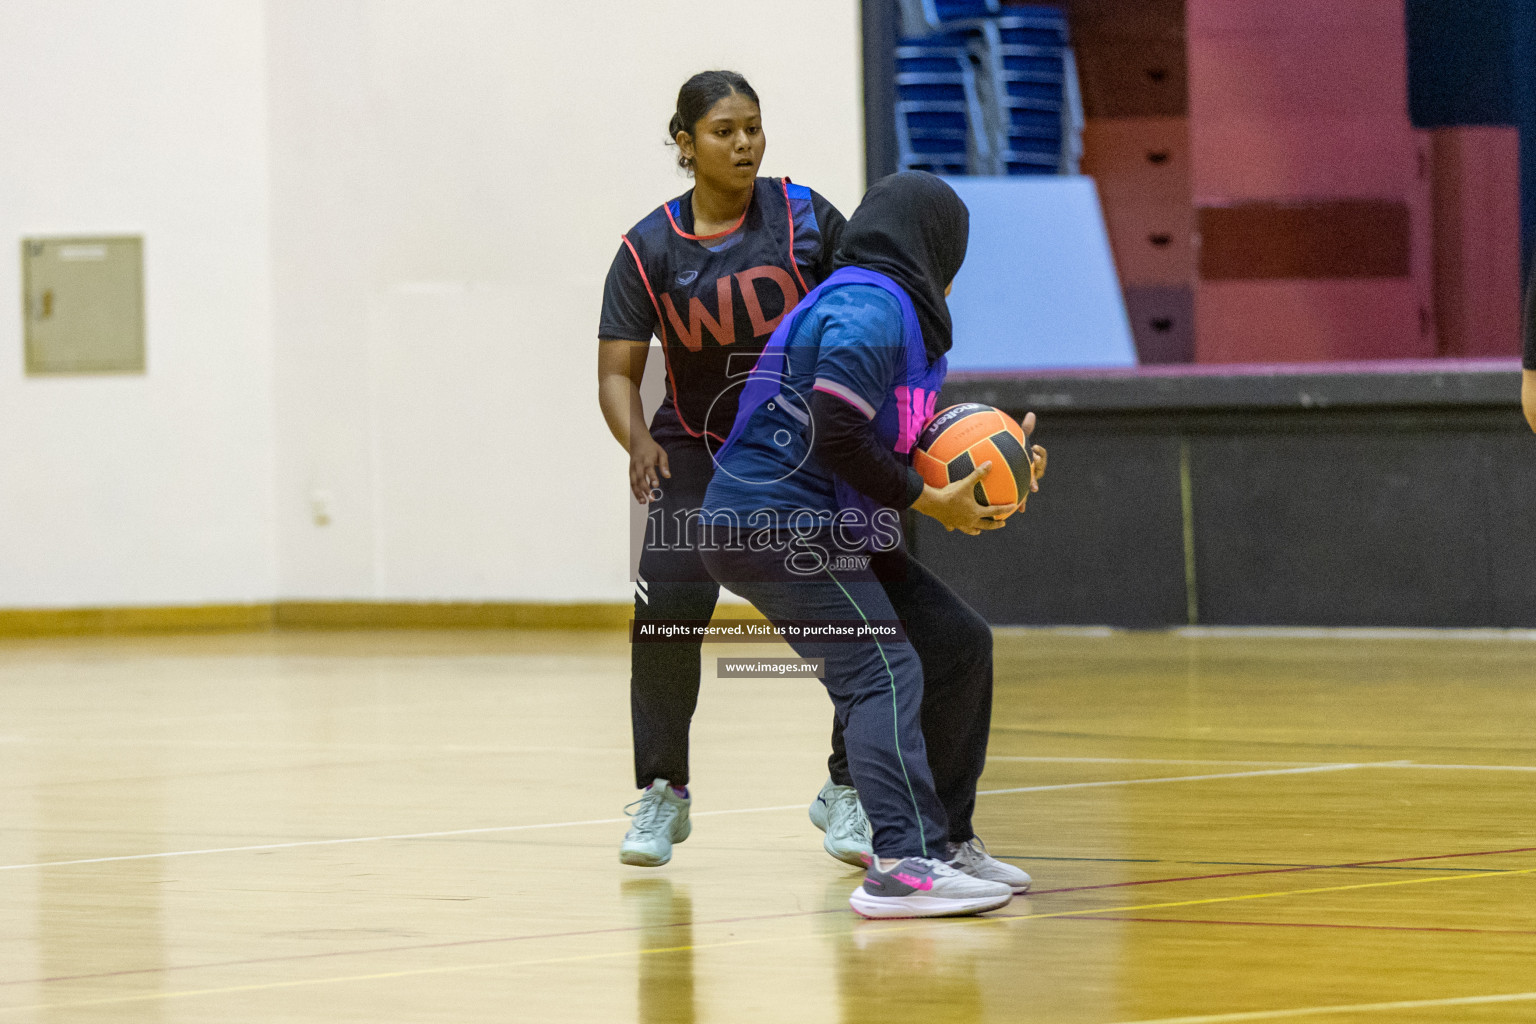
x,y
723,292
721,325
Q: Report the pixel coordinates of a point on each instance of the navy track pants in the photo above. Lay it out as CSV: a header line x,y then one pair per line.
x,y
915,712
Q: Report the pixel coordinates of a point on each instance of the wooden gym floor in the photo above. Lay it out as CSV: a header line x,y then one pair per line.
x,y
423,827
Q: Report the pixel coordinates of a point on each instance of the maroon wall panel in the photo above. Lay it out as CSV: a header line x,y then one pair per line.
x,y
1131,57
1162,322
1283,321
1305,102
1477,241
1318,239
1141,165
1146,158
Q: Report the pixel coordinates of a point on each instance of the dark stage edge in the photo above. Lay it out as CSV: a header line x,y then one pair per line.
x,y
1368,385
1373,495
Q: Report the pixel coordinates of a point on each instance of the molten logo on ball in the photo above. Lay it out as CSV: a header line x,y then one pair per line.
x,y
962,437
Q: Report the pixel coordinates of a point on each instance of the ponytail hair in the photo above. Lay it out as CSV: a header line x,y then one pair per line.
x,y
697,96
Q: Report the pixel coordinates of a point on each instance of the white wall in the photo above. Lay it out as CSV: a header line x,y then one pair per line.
x,y
450,183
376,233
146,117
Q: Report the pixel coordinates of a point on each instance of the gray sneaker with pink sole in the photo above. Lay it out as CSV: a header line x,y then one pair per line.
x,y
922,887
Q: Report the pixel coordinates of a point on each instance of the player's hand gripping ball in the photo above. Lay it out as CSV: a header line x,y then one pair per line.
x,y
962,437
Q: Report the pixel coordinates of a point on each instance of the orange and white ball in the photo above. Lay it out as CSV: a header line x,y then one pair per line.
x,y
962,437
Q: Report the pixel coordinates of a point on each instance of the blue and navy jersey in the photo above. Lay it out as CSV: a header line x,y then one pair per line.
x,y
856,337
714,301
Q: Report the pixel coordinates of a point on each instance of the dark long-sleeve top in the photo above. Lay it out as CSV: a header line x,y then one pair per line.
x,y
846,445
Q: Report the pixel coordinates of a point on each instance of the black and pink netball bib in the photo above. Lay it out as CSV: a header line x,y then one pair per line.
x,y
718,298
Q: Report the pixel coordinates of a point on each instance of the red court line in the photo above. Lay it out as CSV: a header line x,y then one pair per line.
x,y
1279,871
1312,924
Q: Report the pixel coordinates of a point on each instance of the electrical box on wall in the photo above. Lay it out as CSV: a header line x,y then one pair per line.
x,y
83,303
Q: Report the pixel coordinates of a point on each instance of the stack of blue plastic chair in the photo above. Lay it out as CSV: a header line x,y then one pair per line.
x,y
1024,88
1025,80
938,112
953,12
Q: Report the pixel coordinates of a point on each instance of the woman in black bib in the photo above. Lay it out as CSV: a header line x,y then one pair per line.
x,y
710,274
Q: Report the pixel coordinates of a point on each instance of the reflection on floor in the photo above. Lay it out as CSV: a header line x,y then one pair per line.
x,y
424,827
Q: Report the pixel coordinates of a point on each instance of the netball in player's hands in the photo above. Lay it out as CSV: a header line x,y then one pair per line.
x,y
954,506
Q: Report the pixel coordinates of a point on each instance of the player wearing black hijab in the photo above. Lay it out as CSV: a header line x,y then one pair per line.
x,y
810,484
711,274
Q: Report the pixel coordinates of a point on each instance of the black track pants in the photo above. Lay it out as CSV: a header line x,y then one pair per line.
x,y
673,584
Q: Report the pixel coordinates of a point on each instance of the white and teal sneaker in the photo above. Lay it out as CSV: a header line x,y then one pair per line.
x,y
837,812
660,819
972,858
919,887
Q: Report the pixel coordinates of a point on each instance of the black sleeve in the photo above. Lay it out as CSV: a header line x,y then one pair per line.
x,y
628,312
832,222
1530,320
846,444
